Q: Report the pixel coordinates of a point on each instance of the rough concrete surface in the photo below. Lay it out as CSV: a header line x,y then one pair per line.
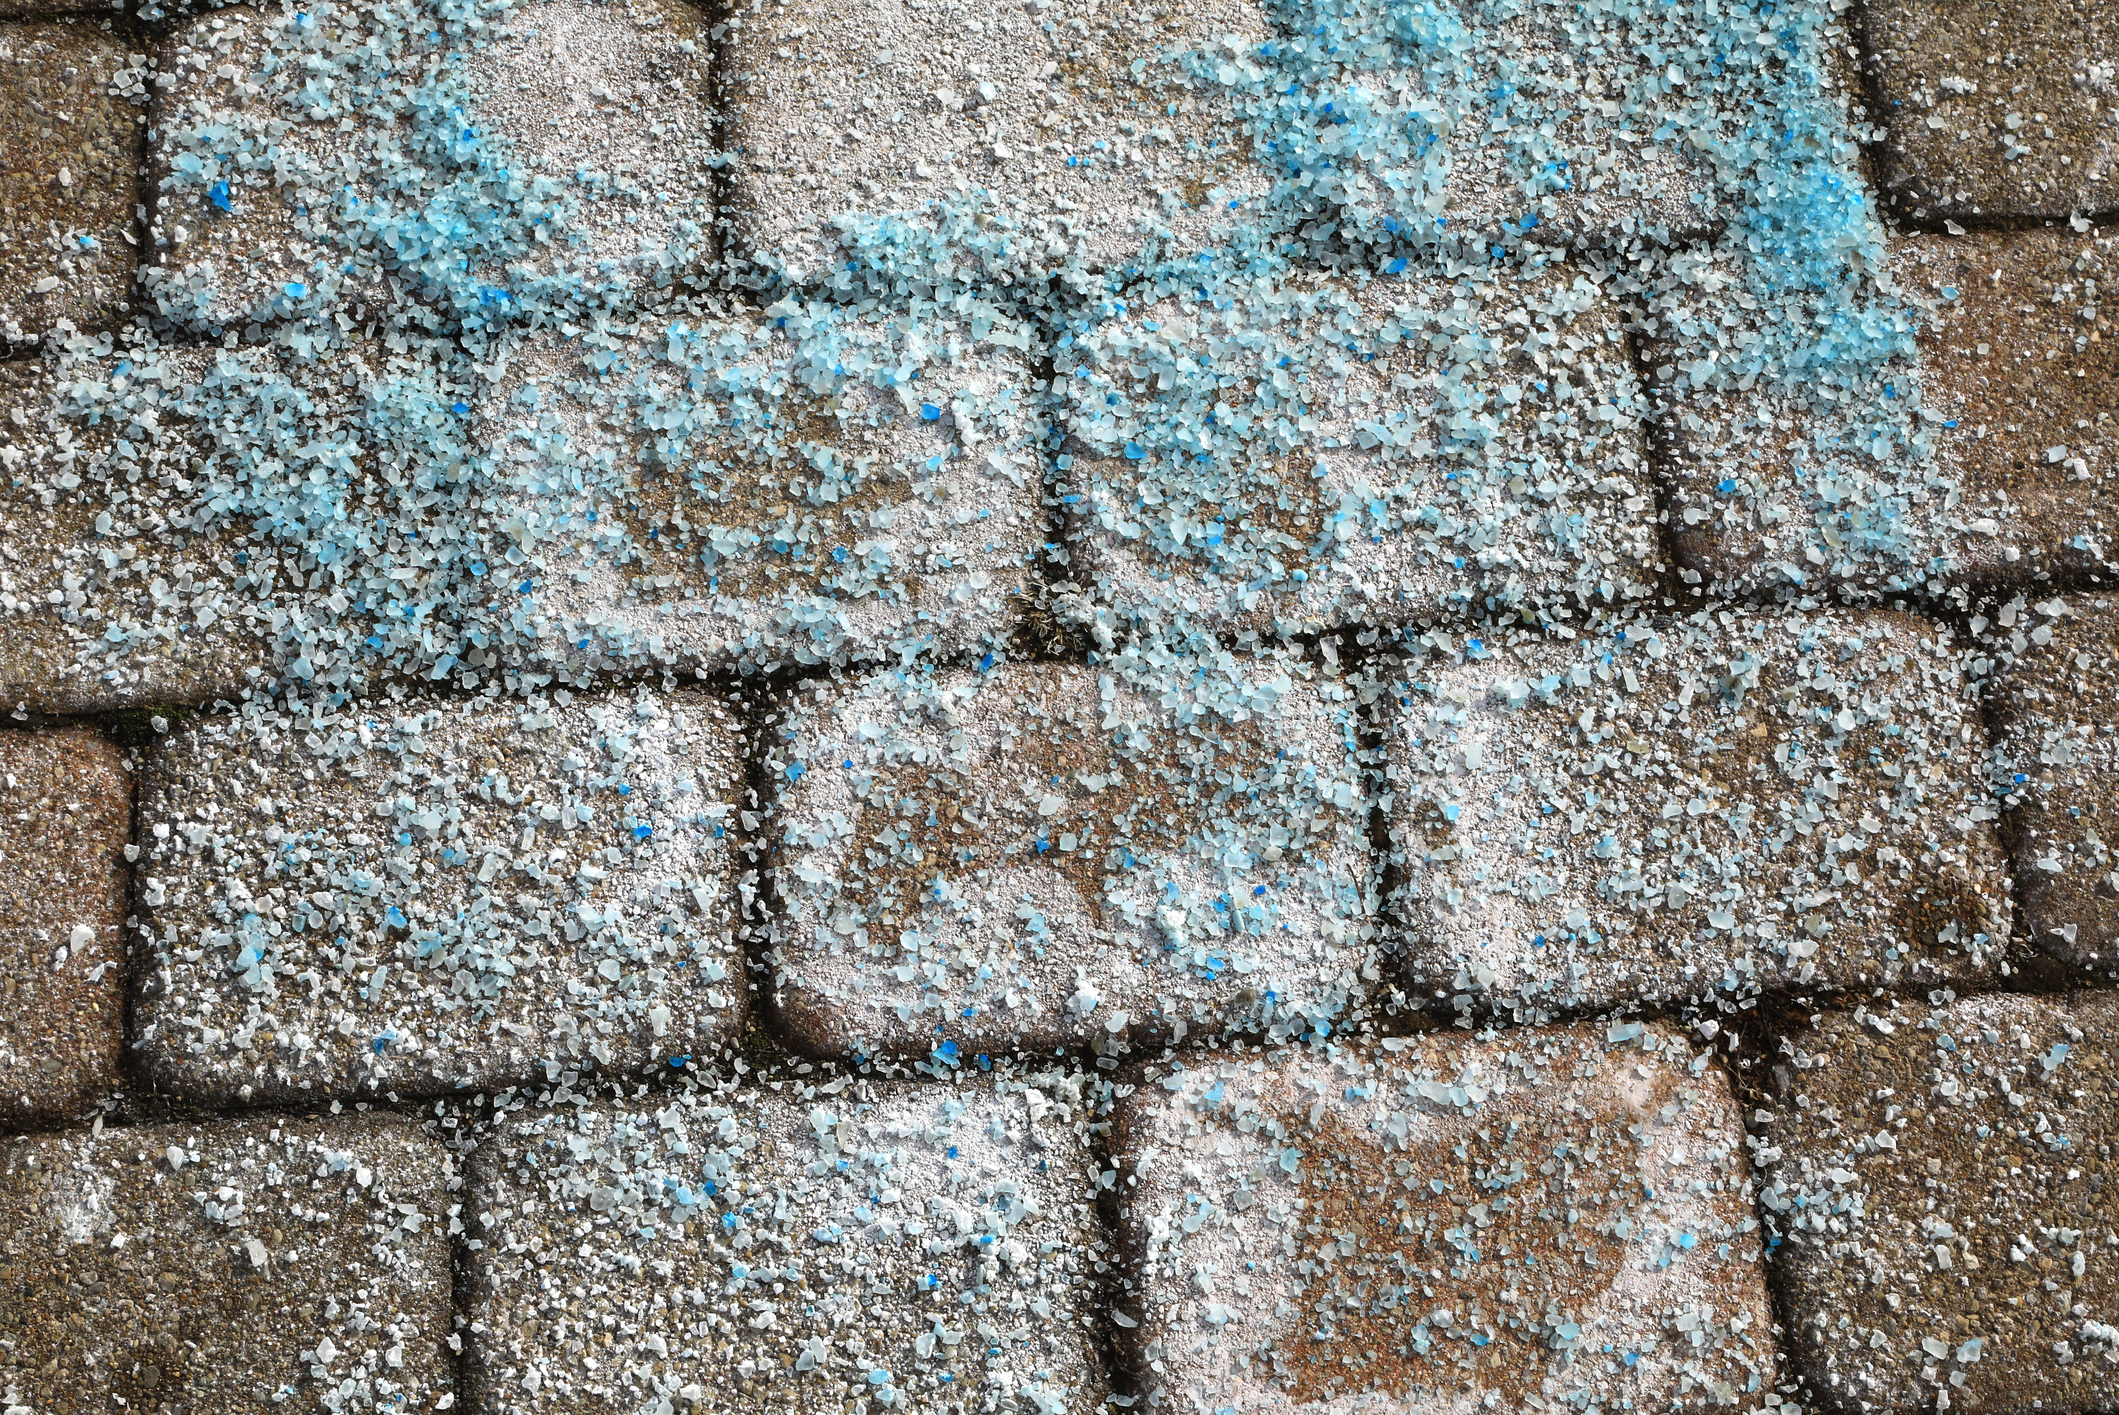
x,y
425,896
65,820
226,1265
1942,1179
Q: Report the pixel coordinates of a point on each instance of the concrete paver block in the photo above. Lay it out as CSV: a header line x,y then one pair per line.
x,y
1994,110
1443,1223
1943,1184
1081,125
253,1265
1740,800
65,818
801,484
435,894
89,577
1044,855
2056,749
789,1248
2019,390
246,183
68,180
1300,453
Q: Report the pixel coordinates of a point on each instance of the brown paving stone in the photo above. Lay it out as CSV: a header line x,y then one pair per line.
x,y
1995,109
2054,709
68,575
65,817
1742,800
2005,474
1047,855
1944,1184
1443,1223
268,1264
754,1248
2020,363
429,894
69,153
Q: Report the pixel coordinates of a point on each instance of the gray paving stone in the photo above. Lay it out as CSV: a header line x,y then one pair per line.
x,y
1741,800
612,103
1943,1183
1538,1219
70,579
426,895
68,179
1526,122
1062,118
2054,709
789,1247
243,184
65,818
2020,387
1299,454
1047,854
279,1262
793,484
1993,110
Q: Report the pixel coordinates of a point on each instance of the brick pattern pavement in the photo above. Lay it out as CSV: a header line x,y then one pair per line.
x,y
1438,907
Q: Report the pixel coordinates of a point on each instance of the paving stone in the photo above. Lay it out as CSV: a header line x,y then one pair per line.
x,y
745,1248
1045,854
1942,1182
2019,386
226,1265
612,103
144,608
40,9
1994,110
1061,117
2051,706
1543,122
1228,462
244,183
1529,1220
65,818
1741,800
1941,466
797,483
1786,465
68,154
432,894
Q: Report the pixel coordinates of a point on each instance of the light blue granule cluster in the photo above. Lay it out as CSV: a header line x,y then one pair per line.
x,y
1458,152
